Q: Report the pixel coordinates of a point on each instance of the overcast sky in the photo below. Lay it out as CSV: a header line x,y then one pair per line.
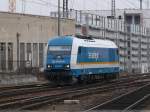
x,y
44,8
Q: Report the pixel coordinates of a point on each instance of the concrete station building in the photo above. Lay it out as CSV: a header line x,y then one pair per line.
x,y
23,39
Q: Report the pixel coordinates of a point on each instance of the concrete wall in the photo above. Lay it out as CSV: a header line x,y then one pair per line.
x,y
21,37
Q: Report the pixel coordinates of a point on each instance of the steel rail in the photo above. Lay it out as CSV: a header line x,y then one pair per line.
x,y
5,88
125,101
137,103
113,84
71,94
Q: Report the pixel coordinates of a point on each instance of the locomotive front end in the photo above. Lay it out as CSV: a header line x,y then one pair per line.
x,y
58,58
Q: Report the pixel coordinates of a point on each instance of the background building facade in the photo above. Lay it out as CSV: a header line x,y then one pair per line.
x,y
24,37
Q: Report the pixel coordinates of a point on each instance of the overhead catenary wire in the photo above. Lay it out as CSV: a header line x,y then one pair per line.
x,y
73,3
51,5
42,2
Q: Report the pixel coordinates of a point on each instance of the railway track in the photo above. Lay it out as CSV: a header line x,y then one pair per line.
x,y
126,102
42,84
139,104
50,95
25,89
36,101
4,88
41,100
32,86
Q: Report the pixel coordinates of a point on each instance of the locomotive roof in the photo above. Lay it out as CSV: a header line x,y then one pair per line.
x,y
96,43
61,40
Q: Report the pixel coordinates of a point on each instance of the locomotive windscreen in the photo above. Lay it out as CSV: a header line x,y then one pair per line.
x,y
59,50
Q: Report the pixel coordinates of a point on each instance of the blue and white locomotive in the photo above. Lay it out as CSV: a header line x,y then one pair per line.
x,y
69,57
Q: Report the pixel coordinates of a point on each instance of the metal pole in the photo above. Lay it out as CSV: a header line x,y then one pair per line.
x,y
124,42
140,58
113,9
17,35
58,17
148,40
65,8
104,21
0,57
87,24
141,4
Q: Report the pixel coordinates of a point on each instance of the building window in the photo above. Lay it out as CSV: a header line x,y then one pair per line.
x,y
137,19
128,19
41,52
3,56
22,55
28,51
10,56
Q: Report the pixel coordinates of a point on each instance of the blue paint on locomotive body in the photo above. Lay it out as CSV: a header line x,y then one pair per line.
x,y
89,54
63,40
59,57
94,71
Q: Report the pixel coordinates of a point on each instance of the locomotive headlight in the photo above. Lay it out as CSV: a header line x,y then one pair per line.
x,y
49,66
67,66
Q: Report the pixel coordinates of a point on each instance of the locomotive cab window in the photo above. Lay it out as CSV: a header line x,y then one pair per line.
x,y
59,50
